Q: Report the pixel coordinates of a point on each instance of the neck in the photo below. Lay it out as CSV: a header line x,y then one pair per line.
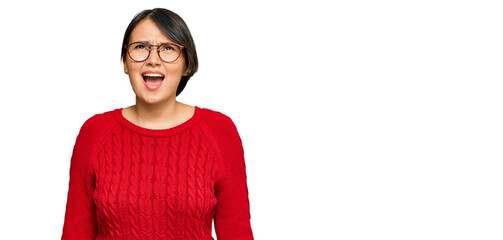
x,y
157,115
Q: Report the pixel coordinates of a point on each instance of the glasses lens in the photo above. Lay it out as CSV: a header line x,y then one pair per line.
x,y
169,52
138,51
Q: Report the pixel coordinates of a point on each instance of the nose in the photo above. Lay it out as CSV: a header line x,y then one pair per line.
x,y
153,58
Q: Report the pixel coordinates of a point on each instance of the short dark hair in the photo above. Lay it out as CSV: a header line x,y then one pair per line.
x,y
174,28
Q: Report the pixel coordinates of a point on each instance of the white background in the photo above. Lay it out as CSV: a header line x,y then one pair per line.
x,y
359,119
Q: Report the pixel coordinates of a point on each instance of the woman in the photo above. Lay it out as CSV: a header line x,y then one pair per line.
x,y
159,169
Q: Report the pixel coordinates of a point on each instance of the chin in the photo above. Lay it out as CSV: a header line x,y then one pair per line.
x,y
153,100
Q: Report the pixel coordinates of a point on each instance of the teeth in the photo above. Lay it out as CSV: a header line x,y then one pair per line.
x,y
152,75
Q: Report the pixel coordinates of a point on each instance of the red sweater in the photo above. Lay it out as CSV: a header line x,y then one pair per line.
x,y
130,182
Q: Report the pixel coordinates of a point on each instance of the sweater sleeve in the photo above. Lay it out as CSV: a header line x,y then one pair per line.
x,y
232,213
80,217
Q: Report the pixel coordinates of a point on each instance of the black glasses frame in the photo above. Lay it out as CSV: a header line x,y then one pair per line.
x,y
158,51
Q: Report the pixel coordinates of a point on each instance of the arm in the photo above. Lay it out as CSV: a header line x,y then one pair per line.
x,y
232,213
80,218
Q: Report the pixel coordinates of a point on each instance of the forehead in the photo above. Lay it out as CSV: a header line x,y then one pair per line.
x,y
147,31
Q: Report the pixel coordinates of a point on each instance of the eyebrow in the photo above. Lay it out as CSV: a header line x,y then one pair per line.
x,y
148,42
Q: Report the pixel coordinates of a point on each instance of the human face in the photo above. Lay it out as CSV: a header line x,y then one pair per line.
x,y
147,31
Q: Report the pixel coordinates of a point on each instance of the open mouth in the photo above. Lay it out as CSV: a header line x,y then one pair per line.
x,y
152,77
153,80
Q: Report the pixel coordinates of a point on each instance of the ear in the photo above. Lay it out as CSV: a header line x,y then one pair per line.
x,y
185,72
126,71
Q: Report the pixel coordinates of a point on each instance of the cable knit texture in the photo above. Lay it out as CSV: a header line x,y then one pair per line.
x,y
130,182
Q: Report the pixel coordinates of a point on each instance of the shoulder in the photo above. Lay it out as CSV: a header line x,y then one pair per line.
x,y
90,133
222,129
97,122
218,122
228,143
213,114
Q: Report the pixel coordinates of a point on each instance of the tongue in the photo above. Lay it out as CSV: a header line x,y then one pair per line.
x,y
153,81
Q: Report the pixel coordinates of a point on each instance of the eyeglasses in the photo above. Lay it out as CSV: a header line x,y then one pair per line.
x,y
140,51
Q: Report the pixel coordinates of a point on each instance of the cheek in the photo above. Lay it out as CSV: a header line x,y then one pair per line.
x,y
174,72
134,71
136,84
